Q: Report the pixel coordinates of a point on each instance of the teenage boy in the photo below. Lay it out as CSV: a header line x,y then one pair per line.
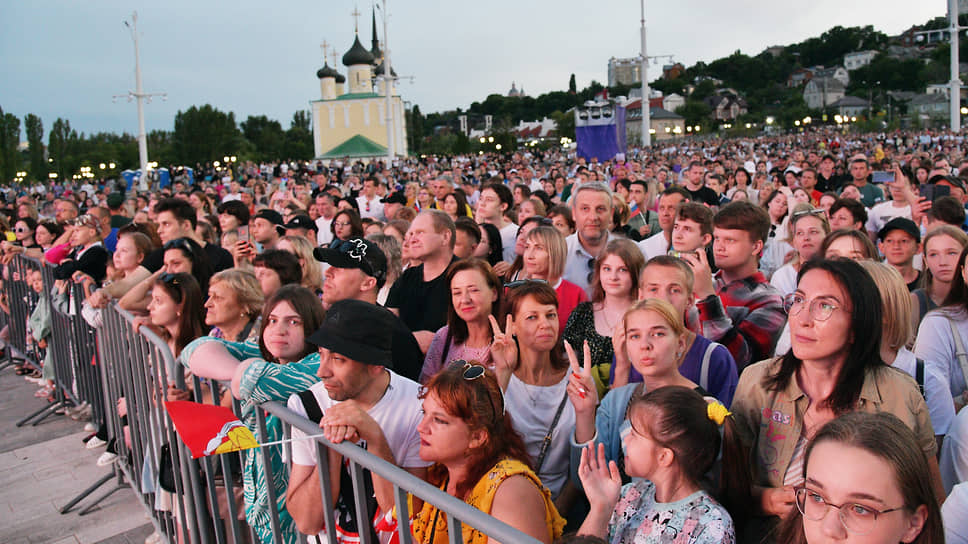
x,y
494,202
659,243
738,307
900,241
693,229
641,218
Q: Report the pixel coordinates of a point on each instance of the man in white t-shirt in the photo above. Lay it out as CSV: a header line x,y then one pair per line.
x,y
359,399
369,201
897,206
326,204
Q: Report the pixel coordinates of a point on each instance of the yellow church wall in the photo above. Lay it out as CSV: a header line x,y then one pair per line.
x,y
336,121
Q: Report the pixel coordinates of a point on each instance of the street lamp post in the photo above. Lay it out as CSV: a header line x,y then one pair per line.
x,y
955,84
646,114
140,96
386,88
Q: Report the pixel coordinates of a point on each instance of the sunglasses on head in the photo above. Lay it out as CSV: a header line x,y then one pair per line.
x,y
180,243
519,283
471,372
169,278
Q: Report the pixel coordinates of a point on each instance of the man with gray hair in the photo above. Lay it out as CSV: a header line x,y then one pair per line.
x,y
591,207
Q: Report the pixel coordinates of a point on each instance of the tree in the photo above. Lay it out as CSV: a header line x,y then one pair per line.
x,y
695,111
205,134
266,135
415,129
59,146
572,87
299,137
35,141
9,140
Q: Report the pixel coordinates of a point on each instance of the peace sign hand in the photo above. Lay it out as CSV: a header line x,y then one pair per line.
x,y
581,387
504,350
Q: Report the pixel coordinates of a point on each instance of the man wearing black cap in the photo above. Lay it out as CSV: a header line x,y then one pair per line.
x,y
357,271
361,399
267,227
900,241
302,225
392,203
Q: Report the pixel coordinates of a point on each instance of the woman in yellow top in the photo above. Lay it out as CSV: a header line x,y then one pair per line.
x,y
479,458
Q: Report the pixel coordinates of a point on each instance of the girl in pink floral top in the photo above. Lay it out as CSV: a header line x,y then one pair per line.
x,y
673,441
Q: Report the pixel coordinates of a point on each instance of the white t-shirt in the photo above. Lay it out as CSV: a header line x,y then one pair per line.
x,y
881,213
654,245
324,235
397,413
941,407
785,279
954,453
372,208
509,235
954,514
936,347
532,410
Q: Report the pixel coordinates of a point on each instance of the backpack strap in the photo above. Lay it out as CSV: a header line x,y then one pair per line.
x,y
919,375
922,297
959,349
704,369
313,412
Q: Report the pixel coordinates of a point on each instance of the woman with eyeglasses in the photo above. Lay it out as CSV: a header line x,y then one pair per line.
x,y
833,367
545,253
475,297
615,286
807,228
280,364
479,458
865,480
23,230
346,224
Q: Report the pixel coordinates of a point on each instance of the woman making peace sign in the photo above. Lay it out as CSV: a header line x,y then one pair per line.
x,y
531,368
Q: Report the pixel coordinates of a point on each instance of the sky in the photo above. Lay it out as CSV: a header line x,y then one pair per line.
x,y
67,58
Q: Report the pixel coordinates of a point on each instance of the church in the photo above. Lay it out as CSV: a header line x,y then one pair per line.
x,y
350,117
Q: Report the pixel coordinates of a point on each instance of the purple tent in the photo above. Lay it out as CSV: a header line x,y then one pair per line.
x,y
600,131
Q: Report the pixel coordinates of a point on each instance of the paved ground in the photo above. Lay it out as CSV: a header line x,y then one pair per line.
x,y
42,468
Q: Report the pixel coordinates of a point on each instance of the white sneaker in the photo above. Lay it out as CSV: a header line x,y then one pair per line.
x,y
89,427
106,459
95,443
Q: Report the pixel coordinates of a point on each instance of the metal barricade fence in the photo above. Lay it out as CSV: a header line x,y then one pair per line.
x,y
20,301
195,501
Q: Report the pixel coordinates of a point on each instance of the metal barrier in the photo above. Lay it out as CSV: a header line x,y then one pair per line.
x,y
199,506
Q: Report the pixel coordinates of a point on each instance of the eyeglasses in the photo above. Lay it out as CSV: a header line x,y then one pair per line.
x,y
472,372
820,309
519,283
818,212
856,518
341,224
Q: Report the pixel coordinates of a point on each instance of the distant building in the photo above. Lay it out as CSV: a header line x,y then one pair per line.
x,y
673,71
515,92
726,106
775,50
799,77
929,105
836,72
945,89
659,119
530,130
857,59
673,102
850,106
819,93
627,71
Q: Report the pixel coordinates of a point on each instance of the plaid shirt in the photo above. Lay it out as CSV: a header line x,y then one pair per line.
x,y
745,315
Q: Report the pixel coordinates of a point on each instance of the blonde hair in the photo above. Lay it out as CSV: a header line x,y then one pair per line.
x,y
554,243
898,327
943,230
660,307
246,288
312,274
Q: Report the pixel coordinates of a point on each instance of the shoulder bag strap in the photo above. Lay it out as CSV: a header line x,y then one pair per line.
x,y
551,429
313,412
959,349
919,375
704,369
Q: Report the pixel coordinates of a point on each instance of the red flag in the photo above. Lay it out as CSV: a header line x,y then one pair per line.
x,y
209,430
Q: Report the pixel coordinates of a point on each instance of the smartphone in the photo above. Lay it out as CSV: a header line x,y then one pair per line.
x,y
680,254
244,233
882,176
934,192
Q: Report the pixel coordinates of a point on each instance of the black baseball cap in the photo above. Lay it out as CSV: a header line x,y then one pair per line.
x,y
302,222
358,330
395,197
355,253
900,223
273,217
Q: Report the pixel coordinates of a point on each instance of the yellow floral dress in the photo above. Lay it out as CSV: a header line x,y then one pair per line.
x,y
430,527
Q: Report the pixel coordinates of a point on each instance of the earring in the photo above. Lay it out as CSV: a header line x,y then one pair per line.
x,y
177,314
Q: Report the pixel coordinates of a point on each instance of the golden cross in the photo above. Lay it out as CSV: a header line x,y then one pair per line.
x,y
356,20
324,46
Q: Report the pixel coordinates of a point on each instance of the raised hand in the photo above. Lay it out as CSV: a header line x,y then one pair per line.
x,y
581,387
504,350
601,479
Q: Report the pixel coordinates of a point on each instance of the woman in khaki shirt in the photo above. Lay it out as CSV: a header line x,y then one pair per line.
x,y
834,367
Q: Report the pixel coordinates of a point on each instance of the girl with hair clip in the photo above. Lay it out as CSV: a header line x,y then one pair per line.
x,y
673,440
807,228
865,480
281,364
479,458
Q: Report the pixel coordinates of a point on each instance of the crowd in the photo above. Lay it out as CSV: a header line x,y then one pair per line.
x,y
715,341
